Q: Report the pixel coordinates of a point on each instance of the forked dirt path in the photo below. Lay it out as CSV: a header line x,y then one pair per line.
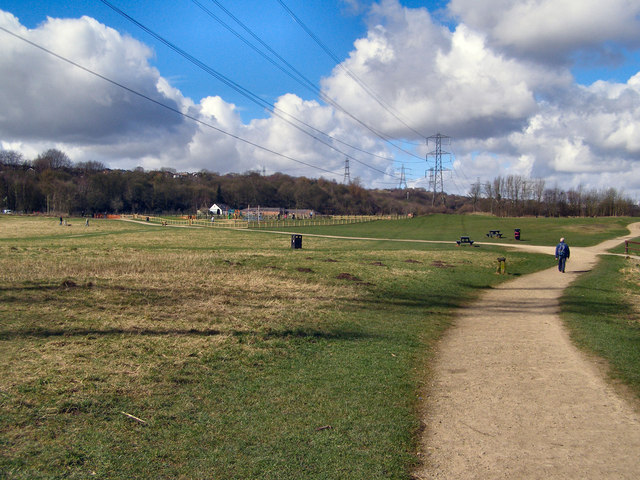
x,y
513,398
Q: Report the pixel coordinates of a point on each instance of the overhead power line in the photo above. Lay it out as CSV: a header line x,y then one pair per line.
x,y
164,105
290,70
352,75
298,76
237,87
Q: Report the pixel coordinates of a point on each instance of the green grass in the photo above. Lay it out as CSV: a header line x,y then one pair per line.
x,y
602,309
246,359
536,231
634,248
235,349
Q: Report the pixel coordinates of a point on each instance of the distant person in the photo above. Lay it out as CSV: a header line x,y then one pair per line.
x,y
562,253
60,220
86,223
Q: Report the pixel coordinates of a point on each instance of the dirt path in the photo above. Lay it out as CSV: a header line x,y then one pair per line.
x,y
513,398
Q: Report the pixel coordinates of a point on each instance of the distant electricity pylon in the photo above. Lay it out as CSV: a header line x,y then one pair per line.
x,y
403,179
435,173
347,175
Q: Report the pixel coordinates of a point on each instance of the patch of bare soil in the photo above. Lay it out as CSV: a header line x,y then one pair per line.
x,y
441,264
68,283
233,264
513,398
348,276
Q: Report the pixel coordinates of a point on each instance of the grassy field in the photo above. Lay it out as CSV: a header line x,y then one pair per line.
x,y
602,310
238,357
634,248
579,232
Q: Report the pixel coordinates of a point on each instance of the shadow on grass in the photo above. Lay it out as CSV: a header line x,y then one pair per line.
x,y
90,332
68,285
64,285
308,333
60,292
585,292
406,301
586,307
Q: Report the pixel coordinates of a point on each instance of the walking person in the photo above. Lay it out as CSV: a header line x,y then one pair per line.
x,y
562,253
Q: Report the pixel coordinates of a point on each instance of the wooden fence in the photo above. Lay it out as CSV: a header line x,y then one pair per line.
x,y
262,224
632,248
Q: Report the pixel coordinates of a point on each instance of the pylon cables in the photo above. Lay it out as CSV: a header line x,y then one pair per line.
x,y
164,105
287,68
352,75
243,91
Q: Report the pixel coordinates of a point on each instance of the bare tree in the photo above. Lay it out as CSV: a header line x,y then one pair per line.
x,y
498,192
475,192
52,159
488,191
11,158
538,192
518,195
90,166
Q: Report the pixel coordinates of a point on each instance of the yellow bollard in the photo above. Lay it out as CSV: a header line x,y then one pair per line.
x,y
501,265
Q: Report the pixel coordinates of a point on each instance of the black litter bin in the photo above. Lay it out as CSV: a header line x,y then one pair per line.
x,y
516,233
296,241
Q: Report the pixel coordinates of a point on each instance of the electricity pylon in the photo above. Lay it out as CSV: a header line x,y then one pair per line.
x,y
347,175
437,168
403,179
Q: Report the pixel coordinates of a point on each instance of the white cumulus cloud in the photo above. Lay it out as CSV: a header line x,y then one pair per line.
x,y
498,81
552,29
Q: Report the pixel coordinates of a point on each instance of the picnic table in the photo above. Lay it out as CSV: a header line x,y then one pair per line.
x,y
464,241
494,233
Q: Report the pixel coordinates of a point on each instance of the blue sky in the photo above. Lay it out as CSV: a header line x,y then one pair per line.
x,y
519,91
185,24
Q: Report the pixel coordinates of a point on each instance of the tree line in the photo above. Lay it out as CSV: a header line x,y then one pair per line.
x,y
52,184
516,195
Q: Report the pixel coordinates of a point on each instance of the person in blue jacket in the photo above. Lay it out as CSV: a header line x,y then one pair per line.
x,y
562,253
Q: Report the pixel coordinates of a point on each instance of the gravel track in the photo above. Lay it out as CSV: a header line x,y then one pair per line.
x,y
512,397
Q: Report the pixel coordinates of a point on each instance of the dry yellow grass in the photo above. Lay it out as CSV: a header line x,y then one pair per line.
x,y
632,277
214,338
68,291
